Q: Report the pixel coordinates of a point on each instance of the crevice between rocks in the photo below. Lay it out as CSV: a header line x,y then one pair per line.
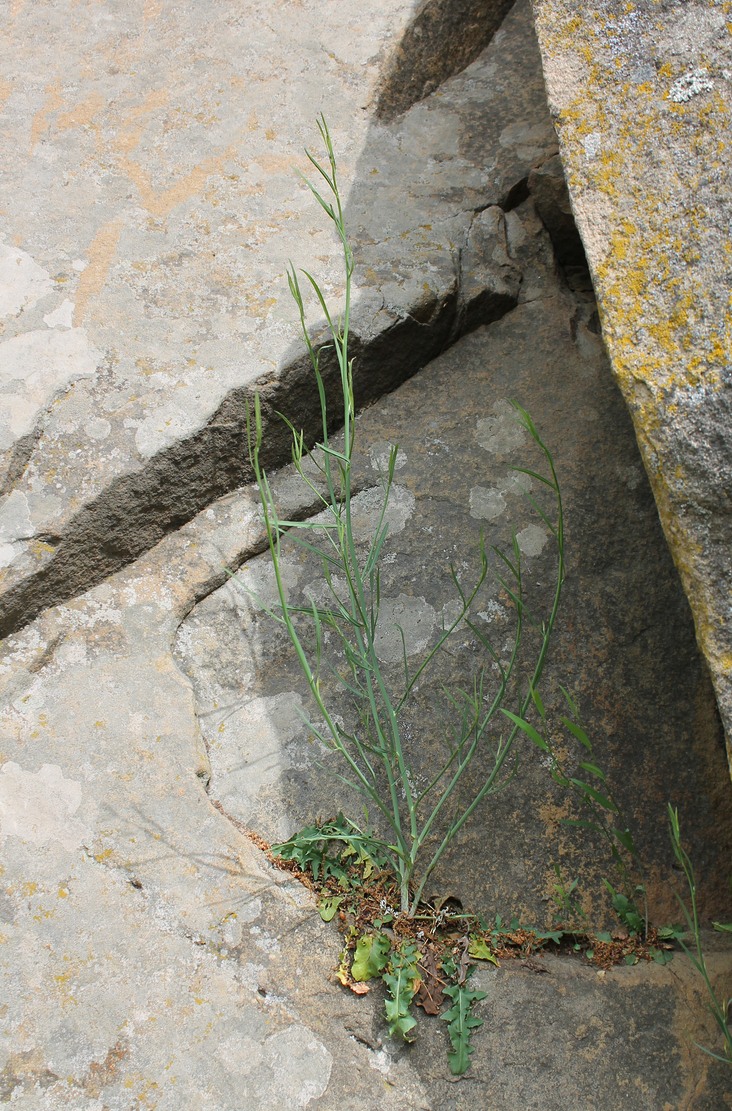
x,y
138,509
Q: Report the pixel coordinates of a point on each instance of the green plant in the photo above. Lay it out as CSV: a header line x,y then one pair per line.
x,y
312,848
568,909
375,760
462,1021
720,1008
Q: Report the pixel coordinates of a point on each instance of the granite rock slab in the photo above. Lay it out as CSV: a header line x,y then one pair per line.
x,y
150,209
641,97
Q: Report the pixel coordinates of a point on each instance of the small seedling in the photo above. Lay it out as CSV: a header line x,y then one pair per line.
x,y
719,1008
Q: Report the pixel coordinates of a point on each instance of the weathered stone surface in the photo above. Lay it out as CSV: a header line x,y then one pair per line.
x,y
149,953
625,643
625,639
641,96
150,293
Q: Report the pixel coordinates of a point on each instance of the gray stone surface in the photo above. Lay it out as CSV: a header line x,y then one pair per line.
x,y
641,96
149,955
625,642
151,253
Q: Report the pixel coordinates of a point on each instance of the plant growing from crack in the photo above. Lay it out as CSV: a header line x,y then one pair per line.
x,y
416,824
374,755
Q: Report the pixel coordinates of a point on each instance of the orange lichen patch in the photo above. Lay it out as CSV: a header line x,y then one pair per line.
x,y
102,1073
101,251
82,115
52,103
161,202
131,130
646,191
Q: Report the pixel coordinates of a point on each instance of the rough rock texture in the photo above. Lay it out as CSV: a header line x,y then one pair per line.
x,y
149,956
625,641
641,96
443,38
148,259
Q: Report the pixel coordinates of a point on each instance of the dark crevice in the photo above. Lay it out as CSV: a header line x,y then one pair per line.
x,y
18,458
444,37
516,195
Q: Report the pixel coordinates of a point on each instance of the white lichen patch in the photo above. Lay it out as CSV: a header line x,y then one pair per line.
x,y
248,748
493,610
416,619
689,85
380,453
502,432
532,540
34,368
15,518
592,144
62,317
40,806
486,503
22,281
366,509
256,583
98,428
451,612
300,1064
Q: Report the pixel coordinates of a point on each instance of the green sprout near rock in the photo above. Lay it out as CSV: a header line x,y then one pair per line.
x,y
719,1008
375,761
413,825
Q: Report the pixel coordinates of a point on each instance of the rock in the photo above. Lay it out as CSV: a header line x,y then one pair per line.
x,y
172,255
625,642
642,103
442,39
149,953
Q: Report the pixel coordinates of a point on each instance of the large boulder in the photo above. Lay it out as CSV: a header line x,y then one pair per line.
x,y
641,97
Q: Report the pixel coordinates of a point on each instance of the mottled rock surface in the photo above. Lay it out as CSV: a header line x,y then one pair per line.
x,y
149,955
641,96
148,259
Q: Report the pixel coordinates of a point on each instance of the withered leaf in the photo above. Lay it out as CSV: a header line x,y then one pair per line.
x,y
429,994
359,989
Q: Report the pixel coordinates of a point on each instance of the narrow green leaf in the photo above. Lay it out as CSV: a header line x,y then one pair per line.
x,y
578,732
595,795
528,729
593,770
625,837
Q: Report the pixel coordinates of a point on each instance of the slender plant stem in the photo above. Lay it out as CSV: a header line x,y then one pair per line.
x,y
374,753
